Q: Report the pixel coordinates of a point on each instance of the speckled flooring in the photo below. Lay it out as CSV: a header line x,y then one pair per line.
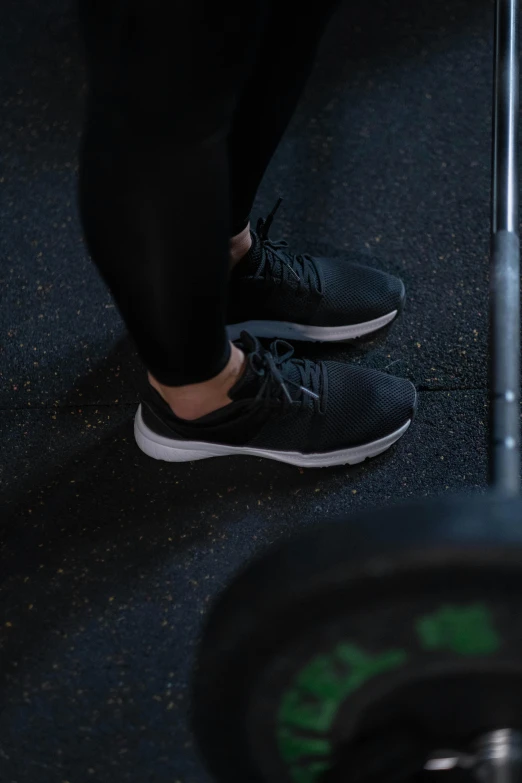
x,y
108,559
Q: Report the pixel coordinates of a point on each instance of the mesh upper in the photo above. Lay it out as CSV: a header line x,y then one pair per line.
x,y
352,293
356,406
355,293
362,405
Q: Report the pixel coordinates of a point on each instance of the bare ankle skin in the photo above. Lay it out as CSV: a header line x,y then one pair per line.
x,y
239,246
199,399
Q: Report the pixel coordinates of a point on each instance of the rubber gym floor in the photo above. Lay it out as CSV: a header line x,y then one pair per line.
x,y
109,560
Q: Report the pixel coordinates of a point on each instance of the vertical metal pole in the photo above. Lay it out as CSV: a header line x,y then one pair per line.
x,y
496,757
505,257
499,757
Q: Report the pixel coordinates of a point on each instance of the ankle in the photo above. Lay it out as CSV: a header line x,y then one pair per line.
x,y
193,401
239,246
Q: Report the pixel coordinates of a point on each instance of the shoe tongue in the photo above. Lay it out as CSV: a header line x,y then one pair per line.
x,y
248,385
252,262
292,376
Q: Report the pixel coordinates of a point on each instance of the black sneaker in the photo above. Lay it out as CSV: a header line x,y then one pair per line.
x,y
295,411
277,294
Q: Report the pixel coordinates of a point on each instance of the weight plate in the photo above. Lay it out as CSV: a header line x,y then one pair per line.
x,y
364,645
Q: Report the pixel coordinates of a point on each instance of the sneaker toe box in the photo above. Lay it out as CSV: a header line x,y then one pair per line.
x,y
364,406
354,293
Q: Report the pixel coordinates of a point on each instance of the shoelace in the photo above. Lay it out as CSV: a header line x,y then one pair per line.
x,y
270,365
274,253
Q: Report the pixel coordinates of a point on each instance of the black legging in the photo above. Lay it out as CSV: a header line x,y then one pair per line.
x,y
188,100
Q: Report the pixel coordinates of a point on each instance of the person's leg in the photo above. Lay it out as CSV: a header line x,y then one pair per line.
x,y
154,178
275,292
156,213
268,102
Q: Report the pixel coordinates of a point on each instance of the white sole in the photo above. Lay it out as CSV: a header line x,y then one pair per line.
x,y
170,450
284,330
